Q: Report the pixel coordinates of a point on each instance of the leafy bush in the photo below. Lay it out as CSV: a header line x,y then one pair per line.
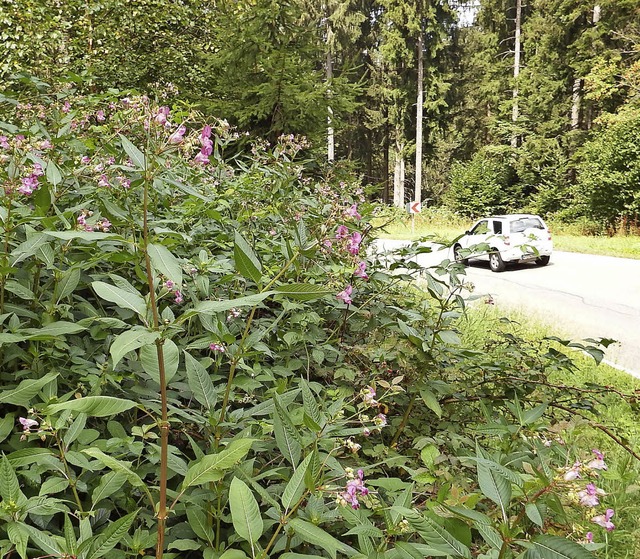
x,y
197,357
485,185
609,170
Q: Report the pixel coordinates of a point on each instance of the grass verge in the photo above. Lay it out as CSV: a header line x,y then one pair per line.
x,y
620,415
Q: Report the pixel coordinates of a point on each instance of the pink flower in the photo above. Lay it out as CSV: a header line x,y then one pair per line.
x,y
353,244
380,420
161,115
27,424
217,348
589,496
104,181
361,271
169,284
29,184
353,212
37,170
598,463
345,295
342,232
206,133
100,116
66,107
201,158
369,396
327,244
604,520
4,142
105,225
354,488
178,135
124,182
178,298
589,537
85,159
46,144
573,473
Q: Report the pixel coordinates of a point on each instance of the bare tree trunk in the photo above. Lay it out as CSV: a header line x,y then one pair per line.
x,y
385,163
419,105
516,70
398,173
576,104
329,69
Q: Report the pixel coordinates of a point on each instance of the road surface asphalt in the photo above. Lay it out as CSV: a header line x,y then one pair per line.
x,y
578,295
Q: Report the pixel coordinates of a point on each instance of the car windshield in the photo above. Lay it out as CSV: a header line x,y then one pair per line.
x,y
519,225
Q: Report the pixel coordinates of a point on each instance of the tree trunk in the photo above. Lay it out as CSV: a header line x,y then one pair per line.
x,y
419,104
516,70
329,70
576,104
385,162
398,173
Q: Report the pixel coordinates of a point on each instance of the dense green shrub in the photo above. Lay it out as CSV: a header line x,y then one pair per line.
x,y
198,357
608,188
485,185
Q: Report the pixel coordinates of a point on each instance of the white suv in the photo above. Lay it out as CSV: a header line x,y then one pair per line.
x,y
502,239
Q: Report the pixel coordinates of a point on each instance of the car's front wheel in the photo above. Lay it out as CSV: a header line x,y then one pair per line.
x,y
543,260
495,262
458,258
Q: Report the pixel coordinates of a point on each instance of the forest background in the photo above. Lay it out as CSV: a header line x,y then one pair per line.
x,y
525,106
201,354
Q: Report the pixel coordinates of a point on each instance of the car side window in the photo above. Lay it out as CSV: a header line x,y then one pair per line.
x,y
481,228
497,227
518,226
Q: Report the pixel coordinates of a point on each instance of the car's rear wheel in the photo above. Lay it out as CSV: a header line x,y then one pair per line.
x,y
456,254
543,260
495,262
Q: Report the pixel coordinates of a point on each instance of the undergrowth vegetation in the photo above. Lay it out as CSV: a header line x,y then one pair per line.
x,y
198,360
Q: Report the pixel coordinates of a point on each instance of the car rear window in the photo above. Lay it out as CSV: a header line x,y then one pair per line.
x,y
519,225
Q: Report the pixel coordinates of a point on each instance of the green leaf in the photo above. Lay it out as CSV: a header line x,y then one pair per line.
x,y
115,465
109,484
245,512
136,156
53,485
430,400
555,547
53,174
73,235
21,395
532,415
18,536
296,486
317,536
197,518
200,382
233,554
93,406
408,551
122,298
303,291
6,425
45,542
165,263
495,486
435,535
67,284
171,358
212,307
112,535
247,263
9,485
286,435
70,536
27,456
130,341
74,430
213,467
311,408
55,329
534,514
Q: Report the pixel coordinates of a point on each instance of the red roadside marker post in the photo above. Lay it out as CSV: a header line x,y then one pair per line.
x,y
414,208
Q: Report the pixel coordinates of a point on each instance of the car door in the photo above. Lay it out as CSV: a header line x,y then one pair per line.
x,y
477,235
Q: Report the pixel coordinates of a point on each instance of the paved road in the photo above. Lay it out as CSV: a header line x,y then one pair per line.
x,y
579,295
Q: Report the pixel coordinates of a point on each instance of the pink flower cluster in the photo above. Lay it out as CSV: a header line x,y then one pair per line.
x,y
217,348
207,146
345,295
171,286
30,183
353,489
103,224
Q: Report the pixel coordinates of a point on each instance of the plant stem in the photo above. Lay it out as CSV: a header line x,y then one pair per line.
x,y
164,413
